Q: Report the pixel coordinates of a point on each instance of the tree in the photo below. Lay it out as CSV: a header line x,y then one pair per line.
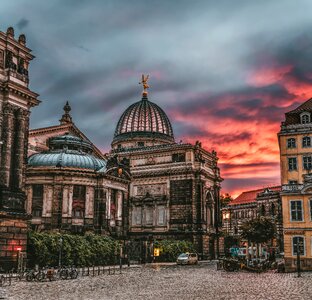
x,y
258,231
225,199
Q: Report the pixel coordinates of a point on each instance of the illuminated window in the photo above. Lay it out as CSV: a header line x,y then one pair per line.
x,y
291,143
296,211
306,142
292,163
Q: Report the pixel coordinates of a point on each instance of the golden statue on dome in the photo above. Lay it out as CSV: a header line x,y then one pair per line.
x,y
145,85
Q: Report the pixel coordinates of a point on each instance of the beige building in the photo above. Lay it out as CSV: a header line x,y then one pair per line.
x,y
296,164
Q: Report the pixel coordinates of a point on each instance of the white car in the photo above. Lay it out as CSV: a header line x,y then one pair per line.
x,y
187,259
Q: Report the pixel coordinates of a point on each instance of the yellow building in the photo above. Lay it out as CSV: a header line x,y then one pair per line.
x,y
296,164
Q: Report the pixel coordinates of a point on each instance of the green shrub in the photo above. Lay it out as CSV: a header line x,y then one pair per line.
x,y
87,250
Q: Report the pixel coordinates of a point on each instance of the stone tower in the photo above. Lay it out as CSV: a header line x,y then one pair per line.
x,y
16,101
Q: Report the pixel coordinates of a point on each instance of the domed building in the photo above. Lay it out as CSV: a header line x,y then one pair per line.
x,y
70,186
148,188
143,123
174,188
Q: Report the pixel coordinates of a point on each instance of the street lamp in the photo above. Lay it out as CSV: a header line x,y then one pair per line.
x,y
60,251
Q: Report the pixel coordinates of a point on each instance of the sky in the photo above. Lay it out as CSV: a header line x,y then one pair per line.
x,y
225,72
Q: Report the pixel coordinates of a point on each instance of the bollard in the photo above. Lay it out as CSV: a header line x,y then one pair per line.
x,y
109,271
88,271
93,271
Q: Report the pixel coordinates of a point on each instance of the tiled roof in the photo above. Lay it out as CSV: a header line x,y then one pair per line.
x,y
250,196
306,106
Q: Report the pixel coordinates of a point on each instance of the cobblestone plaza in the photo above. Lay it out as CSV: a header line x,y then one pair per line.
x,y
170,282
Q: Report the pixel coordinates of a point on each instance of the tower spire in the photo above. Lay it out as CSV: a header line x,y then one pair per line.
x,y
66,118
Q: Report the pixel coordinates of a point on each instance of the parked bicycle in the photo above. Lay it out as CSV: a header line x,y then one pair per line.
x,y
35,275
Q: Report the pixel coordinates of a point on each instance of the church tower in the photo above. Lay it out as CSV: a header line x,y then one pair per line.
x,y
16,100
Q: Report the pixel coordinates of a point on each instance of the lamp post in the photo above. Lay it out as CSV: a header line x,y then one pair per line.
x,y
60,252
226,217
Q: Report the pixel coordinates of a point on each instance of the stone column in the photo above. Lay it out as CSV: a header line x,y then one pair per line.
x,y
119,205
70,200
19,151
108,204
65,201
29,194
47,200
7,146
89,202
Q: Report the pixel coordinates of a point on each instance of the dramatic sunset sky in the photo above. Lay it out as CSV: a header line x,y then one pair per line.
x,y
225,72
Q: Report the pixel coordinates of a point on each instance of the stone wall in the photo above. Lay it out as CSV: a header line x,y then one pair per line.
x,y
13,238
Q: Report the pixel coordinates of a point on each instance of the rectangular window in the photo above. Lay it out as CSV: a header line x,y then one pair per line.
x,y
307,162
148,216
306,142
291,143
137,216
37,191
298,244
293,182
79,192
161,215
296,212
178,157
292,163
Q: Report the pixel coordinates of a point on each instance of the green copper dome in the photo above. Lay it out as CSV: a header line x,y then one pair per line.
x,y
68,151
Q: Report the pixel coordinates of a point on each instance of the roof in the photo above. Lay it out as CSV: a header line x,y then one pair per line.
x,y
143,118
250,196
68,158
306,106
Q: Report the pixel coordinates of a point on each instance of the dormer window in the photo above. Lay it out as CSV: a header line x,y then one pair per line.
x,y
305,118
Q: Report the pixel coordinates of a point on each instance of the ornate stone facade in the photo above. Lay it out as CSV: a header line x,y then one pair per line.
x,y
174,188
15,102
71,187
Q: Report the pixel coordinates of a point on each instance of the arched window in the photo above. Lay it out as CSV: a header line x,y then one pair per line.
x,y
305,119
306,142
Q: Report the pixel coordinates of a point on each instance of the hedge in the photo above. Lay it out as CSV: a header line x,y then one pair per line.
x,y
87,250
171,249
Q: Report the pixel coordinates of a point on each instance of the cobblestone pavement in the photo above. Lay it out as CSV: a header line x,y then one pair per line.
x,y
169,282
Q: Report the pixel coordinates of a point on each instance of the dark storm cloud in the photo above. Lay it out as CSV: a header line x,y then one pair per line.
x,y
22,23
208,60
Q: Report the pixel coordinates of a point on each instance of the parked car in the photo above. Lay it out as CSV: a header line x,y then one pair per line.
x,y
187,259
